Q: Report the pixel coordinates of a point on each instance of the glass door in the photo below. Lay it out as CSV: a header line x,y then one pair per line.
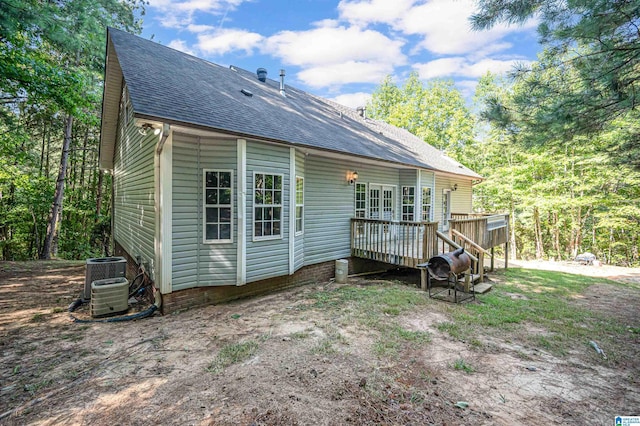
x,y
446,208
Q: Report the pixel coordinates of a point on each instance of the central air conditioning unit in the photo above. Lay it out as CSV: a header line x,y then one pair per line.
x,y
101,268
109,297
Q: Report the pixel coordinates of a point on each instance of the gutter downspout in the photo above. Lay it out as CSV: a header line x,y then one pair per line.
x,y
162,244
163,138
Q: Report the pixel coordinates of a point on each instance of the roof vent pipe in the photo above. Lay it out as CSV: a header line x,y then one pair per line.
x,y
262,74
282,92
362,111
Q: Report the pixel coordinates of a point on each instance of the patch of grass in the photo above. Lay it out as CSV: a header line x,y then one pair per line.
x,y
547,305
394,338
57,310
375,307
232,354
324,347
73,337
461,365
33,388
38,317
299,335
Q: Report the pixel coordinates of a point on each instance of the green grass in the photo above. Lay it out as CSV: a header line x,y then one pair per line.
x,y
461,365
232,354
375,307
545,303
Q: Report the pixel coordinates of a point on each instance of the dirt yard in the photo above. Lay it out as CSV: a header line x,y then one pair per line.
x,y
287,359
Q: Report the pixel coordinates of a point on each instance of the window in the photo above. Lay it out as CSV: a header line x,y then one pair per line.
x,y
299,205
426,204
408,203
361,200
267,206
217,188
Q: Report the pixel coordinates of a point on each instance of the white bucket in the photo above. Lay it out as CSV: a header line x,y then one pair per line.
x,y
342,270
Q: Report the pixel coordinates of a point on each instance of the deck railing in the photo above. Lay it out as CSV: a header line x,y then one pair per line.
x,y
479,233
396,242
487,231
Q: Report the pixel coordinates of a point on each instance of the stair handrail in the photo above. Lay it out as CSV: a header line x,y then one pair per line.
x,y
452,243
470,241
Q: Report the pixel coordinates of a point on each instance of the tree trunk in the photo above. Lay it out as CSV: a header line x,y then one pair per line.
x,y
556,236
59,194
538,233
98,196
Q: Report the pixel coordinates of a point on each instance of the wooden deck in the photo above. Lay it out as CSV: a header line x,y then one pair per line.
x,y
411,243
398,243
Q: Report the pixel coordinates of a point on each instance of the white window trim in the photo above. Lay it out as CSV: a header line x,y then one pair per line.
x,y
205,205
366,200
295,212
402,204
254,205
430,218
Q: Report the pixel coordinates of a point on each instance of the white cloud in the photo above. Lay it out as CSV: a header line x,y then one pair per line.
x,y
227,40
364,12
195,28
446,29
467,87
344,73
330,55
353,100
181,45
181,14
463,67
334,45
443,24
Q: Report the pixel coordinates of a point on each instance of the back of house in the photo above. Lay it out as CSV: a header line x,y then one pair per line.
x,y
227,183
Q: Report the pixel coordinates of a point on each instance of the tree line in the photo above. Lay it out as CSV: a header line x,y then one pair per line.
x,y
557,142
54,201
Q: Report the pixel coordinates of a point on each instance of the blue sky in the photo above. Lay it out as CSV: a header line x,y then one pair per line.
x,y
342,49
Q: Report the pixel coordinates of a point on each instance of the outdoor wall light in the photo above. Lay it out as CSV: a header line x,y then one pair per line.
x,y
352,177
146,127
455,187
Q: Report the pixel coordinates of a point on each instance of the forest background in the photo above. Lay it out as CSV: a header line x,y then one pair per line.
x,y
558,141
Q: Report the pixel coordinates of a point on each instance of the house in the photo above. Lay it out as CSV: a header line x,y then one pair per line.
x,y
228,183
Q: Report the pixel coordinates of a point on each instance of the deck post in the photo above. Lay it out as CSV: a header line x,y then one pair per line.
x,y
506,254
423,279
481,265
492,256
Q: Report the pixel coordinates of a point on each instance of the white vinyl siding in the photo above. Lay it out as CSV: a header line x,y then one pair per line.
x,y
460,198
134,189
330,204
268,257
218,208
194,262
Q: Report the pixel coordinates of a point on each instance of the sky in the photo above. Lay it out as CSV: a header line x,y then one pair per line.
x,y
342,49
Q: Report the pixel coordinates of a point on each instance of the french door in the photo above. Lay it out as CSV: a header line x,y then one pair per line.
x,y
381,202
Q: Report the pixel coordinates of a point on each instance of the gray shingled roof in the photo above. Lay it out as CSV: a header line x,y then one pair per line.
x,y
172,86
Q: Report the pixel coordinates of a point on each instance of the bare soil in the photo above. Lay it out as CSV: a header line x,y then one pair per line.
x,y
158,370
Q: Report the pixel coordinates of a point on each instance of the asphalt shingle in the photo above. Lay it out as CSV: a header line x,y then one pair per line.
x,y
172,86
